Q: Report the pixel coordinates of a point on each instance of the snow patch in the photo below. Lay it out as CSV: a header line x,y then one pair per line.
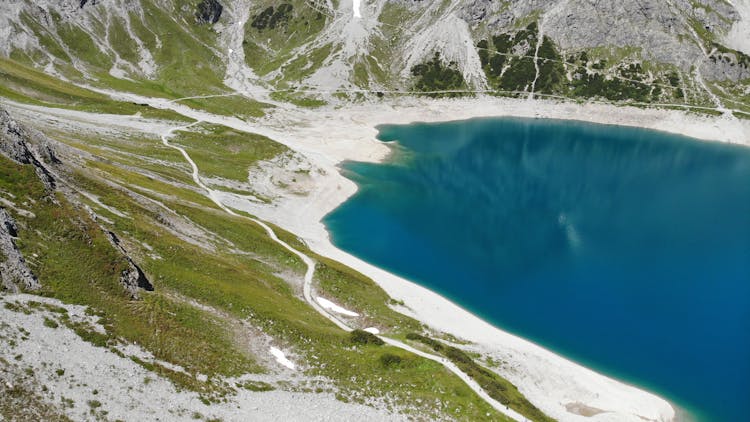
x,y
281,358
372,330
327,304
65,365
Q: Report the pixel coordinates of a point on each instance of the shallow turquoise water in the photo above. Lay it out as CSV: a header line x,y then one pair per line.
x,y
625,249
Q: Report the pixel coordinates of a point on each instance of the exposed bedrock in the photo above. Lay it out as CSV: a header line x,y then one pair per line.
x,y
27,147
14,273
674,32
30,147
132,278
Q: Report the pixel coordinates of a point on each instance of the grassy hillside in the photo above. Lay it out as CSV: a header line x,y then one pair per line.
x,y
196,255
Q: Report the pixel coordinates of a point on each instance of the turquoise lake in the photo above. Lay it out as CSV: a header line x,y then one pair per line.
x,y
624,249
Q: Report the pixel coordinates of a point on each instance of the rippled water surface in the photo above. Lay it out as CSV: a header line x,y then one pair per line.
x,y
625,249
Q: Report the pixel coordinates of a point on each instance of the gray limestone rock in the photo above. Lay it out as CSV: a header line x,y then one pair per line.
x,y
14,273
133,278
676,32
20,145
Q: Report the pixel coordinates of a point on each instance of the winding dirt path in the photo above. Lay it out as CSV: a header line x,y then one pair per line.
x,y
310,272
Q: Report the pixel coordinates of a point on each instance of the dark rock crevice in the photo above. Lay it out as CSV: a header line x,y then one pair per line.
x,y
132,278
14,272
23,146
29,147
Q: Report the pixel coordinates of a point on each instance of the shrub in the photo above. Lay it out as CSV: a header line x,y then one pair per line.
x,y
50,323
484,54
496,65
674,79
551,70
363,337
521,74
502,43
389,359
271,18
436,345
434,76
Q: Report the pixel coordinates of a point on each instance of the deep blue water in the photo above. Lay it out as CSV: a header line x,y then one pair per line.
x,y
625,249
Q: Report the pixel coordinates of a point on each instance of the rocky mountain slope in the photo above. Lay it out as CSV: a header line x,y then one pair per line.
x,y
674,51
104,216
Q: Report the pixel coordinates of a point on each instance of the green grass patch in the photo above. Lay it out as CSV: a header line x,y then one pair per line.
x,y
24,84
298,99
62,235
497,387
276,30
434,75
226,153
356,291
241,274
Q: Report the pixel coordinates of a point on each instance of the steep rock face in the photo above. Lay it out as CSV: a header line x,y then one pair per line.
x,y
20,145
677,32
78,34
30,147
14,272
730,65
654,27
13,140
502,15
132,278
322,45
739,36
209,11
85,2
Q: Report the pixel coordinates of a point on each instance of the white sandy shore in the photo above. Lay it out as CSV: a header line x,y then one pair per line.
x,y
328,136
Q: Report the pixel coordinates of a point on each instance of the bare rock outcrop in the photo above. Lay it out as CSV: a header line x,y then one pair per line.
x,y
30,147
24,146
676,32
14,273
133,278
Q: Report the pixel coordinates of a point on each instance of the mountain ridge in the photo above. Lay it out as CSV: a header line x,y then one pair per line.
x,y
322,47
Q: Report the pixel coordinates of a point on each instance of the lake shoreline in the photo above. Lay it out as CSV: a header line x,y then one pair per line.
x,y
329,136
325,137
